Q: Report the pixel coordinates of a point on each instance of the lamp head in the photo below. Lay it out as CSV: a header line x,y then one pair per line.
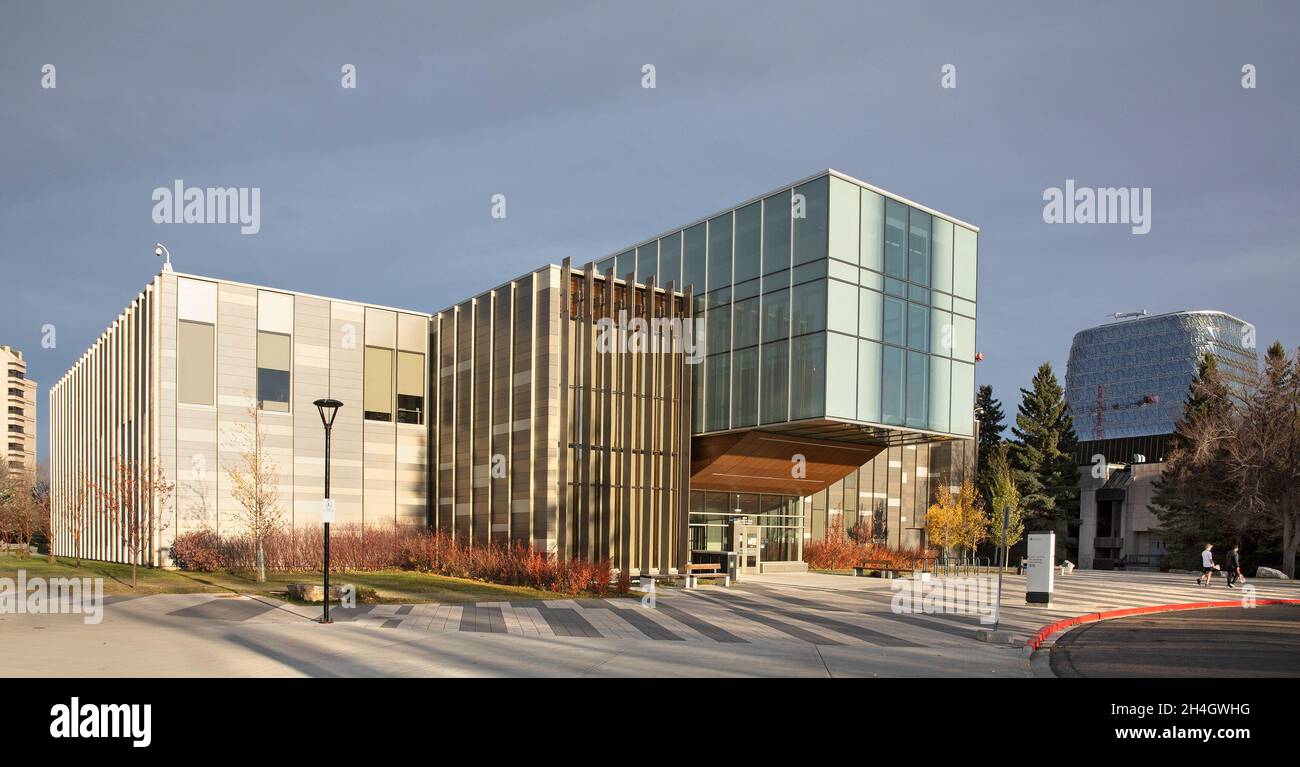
x,y
328,409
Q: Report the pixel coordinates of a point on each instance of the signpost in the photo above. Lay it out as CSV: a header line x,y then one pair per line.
x,y
1040,564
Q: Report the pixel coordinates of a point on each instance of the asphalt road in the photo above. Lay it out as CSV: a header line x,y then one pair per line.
x,y
1220,642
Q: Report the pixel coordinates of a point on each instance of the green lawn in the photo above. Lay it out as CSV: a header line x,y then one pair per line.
x,y
389,585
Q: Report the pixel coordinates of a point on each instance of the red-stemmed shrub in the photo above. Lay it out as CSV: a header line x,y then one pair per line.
x,y
841,551
361,548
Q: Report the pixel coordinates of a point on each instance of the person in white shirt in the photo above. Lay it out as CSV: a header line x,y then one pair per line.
x,y
1207,566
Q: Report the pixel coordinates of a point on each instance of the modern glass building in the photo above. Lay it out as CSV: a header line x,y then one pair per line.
x,y
840,321
1126,383
835,389
1128,380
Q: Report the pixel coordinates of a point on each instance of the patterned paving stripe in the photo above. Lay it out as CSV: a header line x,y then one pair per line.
x,y
405,609
922,620
564,621
870,636
224,610
691,621
391,623
760,617
486,620
643,623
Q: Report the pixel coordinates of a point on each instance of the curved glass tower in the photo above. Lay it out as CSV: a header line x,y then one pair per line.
x,y
1131,378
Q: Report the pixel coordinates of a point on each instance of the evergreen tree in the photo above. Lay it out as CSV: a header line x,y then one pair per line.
x,y
1042,459
1193,488
992,422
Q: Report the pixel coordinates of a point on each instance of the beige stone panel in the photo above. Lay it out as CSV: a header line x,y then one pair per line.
x,y
236,387
346,344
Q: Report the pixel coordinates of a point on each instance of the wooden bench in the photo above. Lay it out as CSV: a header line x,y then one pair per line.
x,y
706,570
882,566
647,579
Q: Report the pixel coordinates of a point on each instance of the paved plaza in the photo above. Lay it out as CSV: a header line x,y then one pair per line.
x,y
775,625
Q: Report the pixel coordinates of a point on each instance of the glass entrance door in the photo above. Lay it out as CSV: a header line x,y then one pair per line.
x,y
749,549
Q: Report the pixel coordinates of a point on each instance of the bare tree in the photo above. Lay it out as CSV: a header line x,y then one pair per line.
x,y
24,507
134,497
73,516
255,481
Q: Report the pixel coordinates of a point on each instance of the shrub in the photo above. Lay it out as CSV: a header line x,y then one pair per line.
x,y
199,551
360,548
841,552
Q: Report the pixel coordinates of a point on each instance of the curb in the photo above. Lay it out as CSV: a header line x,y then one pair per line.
x,y
1041,636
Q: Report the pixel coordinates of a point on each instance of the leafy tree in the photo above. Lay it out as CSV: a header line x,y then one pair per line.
x,y
1004,495
1042,457
957,520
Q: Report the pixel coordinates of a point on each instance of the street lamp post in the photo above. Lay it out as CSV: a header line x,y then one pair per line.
x,y
1002,565
328,409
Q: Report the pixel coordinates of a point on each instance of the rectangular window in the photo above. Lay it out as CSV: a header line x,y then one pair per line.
x,y
891,389
196,367
871,234
808,376
776,316
895,239
918,399
410,387
941,256
845,207
895,321
810,228
625,264
745,323
720,252
963,262
869,381
940,391
841,375
647,262
694,245
774,380
776,233
717,376
918,327
869,314
842,307
808,310
717,322
918,247
273,366
378,393
749,234
744,388
670,260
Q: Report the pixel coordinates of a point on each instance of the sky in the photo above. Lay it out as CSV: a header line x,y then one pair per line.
x,y
382,193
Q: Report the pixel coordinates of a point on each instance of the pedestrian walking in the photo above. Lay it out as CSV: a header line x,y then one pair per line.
x,y
1234,565
1207,565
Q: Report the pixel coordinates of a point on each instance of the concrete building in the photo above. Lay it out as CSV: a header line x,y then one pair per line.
x,y
18,452
833,385
1126,384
